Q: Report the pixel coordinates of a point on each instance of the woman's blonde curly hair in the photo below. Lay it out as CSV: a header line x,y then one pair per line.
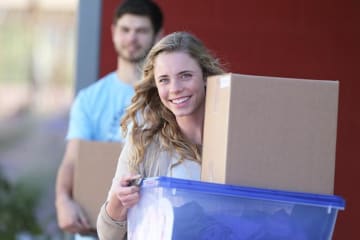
x,y
157,123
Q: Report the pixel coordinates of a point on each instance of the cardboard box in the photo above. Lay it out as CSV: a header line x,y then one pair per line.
x,y
270,132
94,171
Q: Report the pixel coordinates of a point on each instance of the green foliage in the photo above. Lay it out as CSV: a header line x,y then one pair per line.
x,y
14,58
17,207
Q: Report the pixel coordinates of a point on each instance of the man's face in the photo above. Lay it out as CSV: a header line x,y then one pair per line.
x,y
133,36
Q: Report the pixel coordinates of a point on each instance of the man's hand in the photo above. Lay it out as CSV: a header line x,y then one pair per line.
x,y
71,217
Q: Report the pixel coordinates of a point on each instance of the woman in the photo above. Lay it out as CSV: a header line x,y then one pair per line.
x,y
166,122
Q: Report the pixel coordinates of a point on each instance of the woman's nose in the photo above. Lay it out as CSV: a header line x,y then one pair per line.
x,y
176,86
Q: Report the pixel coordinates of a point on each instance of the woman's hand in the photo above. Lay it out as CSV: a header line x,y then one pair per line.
x,y
122,197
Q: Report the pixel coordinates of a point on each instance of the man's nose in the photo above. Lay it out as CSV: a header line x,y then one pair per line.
x,y
132,36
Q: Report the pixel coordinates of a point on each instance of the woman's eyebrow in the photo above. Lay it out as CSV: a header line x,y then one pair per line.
x,y
179,73
184,71
160,76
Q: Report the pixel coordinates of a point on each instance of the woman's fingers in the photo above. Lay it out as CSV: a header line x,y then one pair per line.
x,y
128,195
125,181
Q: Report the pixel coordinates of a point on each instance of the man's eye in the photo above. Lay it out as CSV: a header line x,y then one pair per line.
x,y
143,30
124,30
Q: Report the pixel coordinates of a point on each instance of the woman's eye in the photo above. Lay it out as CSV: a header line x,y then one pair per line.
x,y
163,80
185,76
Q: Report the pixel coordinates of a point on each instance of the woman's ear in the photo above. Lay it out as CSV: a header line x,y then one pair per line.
x,y
205,79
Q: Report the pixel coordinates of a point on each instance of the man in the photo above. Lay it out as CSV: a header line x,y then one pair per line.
x,y
97,109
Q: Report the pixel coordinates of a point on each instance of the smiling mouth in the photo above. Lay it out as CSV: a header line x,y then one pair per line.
x,y
132,47
180,100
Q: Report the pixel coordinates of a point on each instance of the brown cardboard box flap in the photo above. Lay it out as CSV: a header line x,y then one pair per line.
x,y
94,171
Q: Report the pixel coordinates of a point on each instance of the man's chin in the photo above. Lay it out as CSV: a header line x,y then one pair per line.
x,y
132,59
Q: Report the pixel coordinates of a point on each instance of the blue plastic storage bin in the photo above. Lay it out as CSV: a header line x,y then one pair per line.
x,y
178,209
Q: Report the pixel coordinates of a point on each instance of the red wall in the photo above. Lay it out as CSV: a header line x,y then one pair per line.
x,y
304,38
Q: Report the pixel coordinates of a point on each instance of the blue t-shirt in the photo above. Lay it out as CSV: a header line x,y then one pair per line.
x,y
97,110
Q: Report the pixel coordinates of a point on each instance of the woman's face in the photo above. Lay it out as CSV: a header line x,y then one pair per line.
x,y
180,83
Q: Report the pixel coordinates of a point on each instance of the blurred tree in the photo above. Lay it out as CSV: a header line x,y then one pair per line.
x,y
17,208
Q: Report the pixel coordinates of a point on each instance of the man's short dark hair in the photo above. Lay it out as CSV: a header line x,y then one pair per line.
x,y
146,8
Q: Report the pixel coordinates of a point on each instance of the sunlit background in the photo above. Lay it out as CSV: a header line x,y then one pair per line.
x,y
37,64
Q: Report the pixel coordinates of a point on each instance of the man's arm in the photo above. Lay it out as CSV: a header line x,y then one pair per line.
x,y
70,216
65,175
